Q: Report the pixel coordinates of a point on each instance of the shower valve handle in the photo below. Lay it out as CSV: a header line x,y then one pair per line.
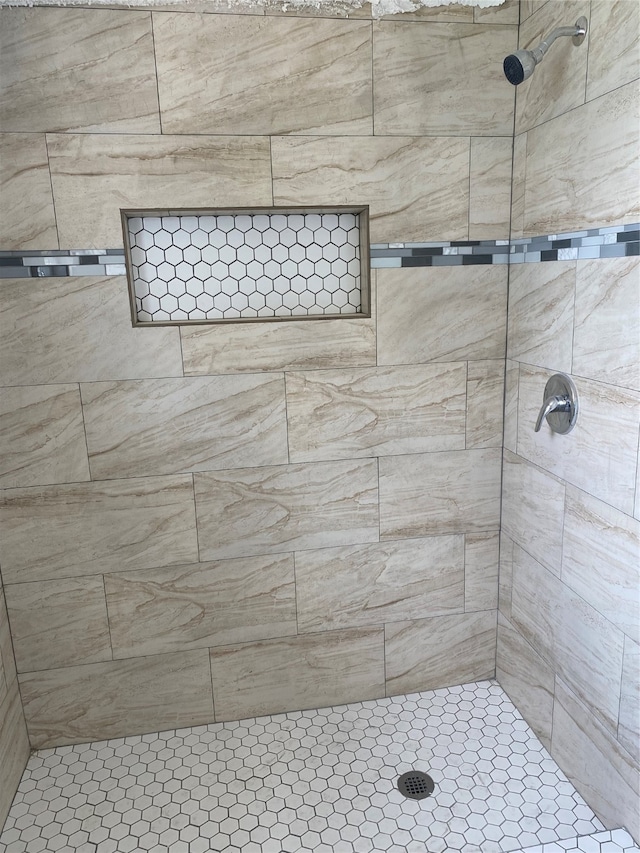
x,y
552,404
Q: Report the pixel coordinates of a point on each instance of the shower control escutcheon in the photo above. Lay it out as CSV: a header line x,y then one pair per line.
x,y
559,405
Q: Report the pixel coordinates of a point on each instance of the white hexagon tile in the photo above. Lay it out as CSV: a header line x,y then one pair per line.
x,y
319,780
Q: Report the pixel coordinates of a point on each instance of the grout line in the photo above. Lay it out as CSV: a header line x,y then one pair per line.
x,y
155,68
373,98
53,198
106,608
286,416
195,514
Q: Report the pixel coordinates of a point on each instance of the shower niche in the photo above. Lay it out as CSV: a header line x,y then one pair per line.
x,y
247,264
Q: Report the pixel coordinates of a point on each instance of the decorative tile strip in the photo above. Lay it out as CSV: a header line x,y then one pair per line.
x,y
617,241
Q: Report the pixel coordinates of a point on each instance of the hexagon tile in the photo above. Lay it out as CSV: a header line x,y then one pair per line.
x,y
319,780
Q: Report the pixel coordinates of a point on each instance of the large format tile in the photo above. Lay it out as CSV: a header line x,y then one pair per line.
x,y
200,605
481,565
323,86
563,71
606,335
294,345
293,673
419,88
428,494
533,510
614,58
163,426
572,637
376,411
512,378
77,69
598,140
78,330
541,304
14,748
629,719
413,186
246,511
27,217
41,436
599,454
595,762
7,659
58,623
434,653
373,584
508,12
435,314
526,678
485,400
95,175
601,559
518,183
507,548
490,188
98,701
89,528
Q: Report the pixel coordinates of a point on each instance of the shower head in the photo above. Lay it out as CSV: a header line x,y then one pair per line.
x,y
520,65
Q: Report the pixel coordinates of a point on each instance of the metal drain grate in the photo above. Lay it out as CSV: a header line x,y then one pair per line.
x,y
416,785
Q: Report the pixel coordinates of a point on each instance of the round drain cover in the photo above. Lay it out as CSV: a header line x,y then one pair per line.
x,y
416,785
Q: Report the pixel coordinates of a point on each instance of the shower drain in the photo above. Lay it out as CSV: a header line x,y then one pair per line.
x,y
416,785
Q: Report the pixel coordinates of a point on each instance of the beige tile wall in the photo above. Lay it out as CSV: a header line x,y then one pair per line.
x,y
188,501
570,556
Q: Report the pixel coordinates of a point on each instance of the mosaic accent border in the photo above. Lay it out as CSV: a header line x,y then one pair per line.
x,y
616,241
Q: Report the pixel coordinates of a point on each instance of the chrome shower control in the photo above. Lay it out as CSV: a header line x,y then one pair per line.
x,y
559,405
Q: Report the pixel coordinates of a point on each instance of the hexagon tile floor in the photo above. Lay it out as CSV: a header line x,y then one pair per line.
x,y
321,781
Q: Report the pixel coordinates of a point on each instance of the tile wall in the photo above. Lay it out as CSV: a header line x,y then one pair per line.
x,y
207,523
569,619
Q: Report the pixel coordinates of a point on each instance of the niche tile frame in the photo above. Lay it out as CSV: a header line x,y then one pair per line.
x,y
278,285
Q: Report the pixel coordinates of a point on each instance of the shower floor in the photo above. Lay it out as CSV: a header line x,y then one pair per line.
x,y
319,780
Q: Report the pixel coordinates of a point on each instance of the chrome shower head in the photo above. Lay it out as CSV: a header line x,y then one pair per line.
x,y
520,65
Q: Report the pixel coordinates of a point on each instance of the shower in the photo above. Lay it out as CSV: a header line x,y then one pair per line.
x,y
520,65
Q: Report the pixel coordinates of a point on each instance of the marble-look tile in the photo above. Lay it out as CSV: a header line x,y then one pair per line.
x,y
89,70
413,186
572,637
518,184
55,532
490,188
99,701
41,436
563,71
636,511
606,336
373,584
27,218
58,623
485,400
510,435
95,175
533,505
419,90
322,87
601,770
7,659
294,345
426,494
507,13
526,678
599,454
78,330
601,559
378,411
629,719
506,574
481,566
204,604
14,748
528,7
599,139
614,58
541,299
245,511
294,673
437,314
164,426
432,653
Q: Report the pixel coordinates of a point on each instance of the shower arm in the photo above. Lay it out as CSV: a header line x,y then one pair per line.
x,y
577,32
